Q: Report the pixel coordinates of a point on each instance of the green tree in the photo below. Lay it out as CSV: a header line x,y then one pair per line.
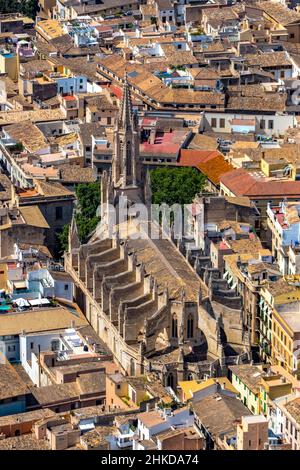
x,y
176,185
63,240
88,200
88,197
26,7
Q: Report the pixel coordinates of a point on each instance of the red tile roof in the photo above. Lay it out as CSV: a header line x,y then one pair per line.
x,y
275,189
69,98
242,183
167,143
243,122
189,157
116,91
238,181
210,162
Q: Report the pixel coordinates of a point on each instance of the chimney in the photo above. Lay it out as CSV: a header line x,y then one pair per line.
x,y
54,147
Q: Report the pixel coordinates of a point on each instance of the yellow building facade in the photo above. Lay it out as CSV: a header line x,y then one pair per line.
x,y
250,398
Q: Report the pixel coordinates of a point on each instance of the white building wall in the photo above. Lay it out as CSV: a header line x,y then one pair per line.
x,y
280,123
64,290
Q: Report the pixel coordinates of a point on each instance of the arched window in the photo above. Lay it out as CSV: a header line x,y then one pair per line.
x,y
190,376
128,158
190,326
170,381
132,367
174,327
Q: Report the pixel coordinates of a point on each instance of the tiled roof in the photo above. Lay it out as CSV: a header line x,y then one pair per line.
x,y
39,320
210,162
11,384
219,413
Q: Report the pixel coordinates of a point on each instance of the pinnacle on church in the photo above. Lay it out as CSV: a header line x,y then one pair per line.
x,y
126,111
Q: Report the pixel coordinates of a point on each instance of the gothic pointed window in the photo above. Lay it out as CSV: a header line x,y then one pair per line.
x,y
190,326
174,327
170,381
132,367
128,159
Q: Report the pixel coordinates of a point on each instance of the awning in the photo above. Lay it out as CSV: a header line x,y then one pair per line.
x,y
37,302
21,303
20,284
86,427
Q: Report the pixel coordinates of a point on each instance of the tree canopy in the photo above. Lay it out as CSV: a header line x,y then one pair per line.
x,y
26,7
88,197
88,200
175,185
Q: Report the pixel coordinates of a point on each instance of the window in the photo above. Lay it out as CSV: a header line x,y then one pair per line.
x,y
132,367
190,326
262,124
31,345
58,213
271,124
66,286
249,443
170,381
213,122
222,123
174,327
55,345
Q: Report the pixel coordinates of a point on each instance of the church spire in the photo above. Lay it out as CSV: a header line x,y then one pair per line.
x,y
126,167
125,120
